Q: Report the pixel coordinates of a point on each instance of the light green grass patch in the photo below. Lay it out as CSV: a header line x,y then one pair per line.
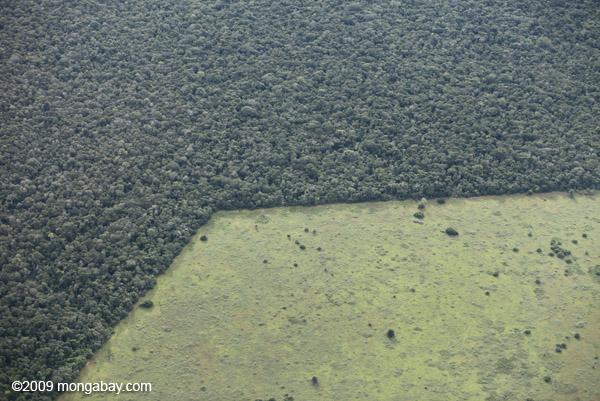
x,y
227,326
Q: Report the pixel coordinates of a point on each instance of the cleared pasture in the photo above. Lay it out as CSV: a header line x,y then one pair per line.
x,y
264,303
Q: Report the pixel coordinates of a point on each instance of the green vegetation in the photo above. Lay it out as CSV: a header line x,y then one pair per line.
x,y
451,232
419,215
388,307
125,124
147,304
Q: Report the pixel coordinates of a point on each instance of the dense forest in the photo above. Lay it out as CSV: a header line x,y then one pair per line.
x,y
126,124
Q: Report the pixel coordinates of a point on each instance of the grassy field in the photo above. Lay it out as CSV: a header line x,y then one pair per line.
x,y
264,304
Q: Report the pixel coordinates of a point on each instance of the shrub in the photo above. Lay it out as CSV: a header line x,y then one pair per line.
x,y
147,304
451,232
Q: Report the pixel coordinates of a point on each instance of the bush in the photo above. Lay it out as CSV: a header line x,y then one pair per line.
x,y
147,304
451,232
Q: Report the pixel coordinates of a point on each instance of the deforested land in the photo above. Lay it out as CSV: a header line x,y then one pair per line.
x,y
374,303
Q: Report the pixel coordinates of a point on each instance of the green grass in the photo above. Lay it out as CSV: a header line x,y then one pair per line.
x,y
227,326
